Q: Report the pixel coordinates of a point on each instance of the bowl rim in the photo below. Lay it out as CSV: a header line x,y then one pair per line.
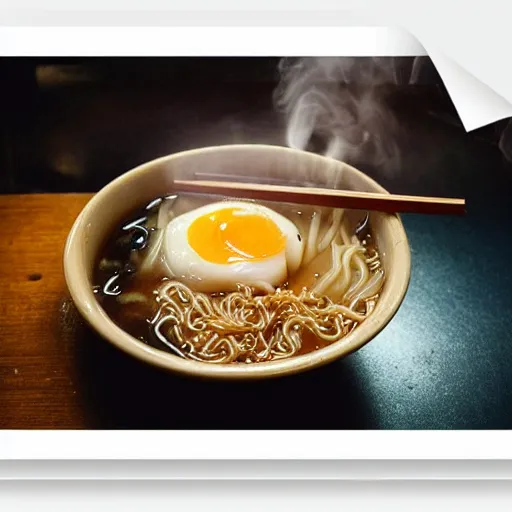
x,y
90,309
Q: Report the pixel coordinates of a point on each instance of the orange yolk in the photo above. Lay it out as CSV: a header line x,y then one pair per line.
x,y
233,235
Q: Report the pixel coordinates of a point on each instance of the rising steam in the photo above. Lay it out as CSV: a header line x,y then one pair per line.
x,y
337,106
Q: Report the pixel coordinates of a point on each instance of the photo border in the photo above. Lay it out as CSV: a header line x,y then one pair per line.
x,y
370,449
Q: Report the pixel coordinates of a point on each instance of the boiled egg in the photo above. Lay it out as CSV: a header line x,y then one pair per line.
x,y
218,246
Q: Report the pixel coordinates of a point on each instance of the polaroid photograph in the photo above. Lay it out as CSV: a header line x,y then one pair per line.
x,y
230,256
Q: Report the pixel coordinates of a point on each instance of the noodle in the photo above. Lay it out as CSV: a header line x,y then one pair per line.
x,y
337,216
236,326
311,243
154,252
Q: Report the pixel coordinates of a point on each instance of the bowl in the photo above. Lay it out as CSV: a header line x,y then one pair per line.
x,y
269,164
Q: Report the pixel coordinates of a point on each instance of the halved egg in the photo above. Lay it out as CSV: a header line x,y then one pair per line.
x,y
220,245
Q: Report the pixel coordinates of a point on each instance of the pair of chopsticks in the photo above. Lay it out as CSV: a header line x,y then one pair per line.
x,y
388,203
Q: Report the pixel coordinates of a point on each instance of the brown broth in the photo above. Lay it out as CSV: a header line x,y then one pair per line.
x,y
134,317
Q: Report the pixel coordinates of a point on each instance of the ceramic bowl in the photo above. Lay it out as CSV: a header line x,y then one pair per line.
x,y
269,164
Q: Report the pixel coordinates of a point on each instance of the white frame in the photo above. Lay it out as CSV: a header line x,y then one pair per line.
x,y
208,41
345,454
271,445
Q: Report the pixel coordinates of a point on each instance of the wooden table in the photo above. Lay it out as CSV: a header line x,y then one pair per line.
x,y
39,325
56,373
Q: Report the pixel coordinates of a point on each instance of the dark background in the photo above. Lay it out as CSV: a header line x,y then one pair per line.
x,y
445,361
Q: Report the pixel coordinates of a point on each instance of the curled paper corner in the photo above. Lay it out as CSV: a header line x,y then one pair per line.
x,y
476,103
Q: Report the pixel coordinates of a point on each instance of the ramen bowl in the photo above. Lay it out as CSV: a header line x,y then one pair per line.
x,y
256,163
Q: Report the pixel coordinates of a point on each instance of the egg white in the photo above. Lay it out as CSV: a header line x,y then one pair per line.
x,y
184,263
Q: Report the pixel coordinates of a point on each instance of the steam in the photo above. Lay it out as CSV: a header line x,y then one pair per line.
x,y
336,106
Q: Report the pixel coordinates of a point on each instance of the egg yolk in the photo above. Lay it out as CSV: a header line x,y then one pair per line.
x,y
233,235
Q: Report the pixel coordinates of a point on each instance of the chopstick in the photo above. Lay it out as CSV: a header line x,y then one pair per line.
x,y
388,203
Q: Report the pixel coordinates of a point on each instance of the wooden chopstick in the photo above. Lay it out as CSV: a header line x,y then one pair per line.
x,y
389,203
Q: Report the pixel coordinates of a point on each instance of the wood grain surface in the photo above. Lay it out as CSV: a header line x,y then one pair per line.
x,y
56,373
37,320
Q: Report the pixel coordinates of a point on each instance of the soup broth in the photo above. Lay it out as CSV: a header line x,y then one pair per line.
x,y
196,312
